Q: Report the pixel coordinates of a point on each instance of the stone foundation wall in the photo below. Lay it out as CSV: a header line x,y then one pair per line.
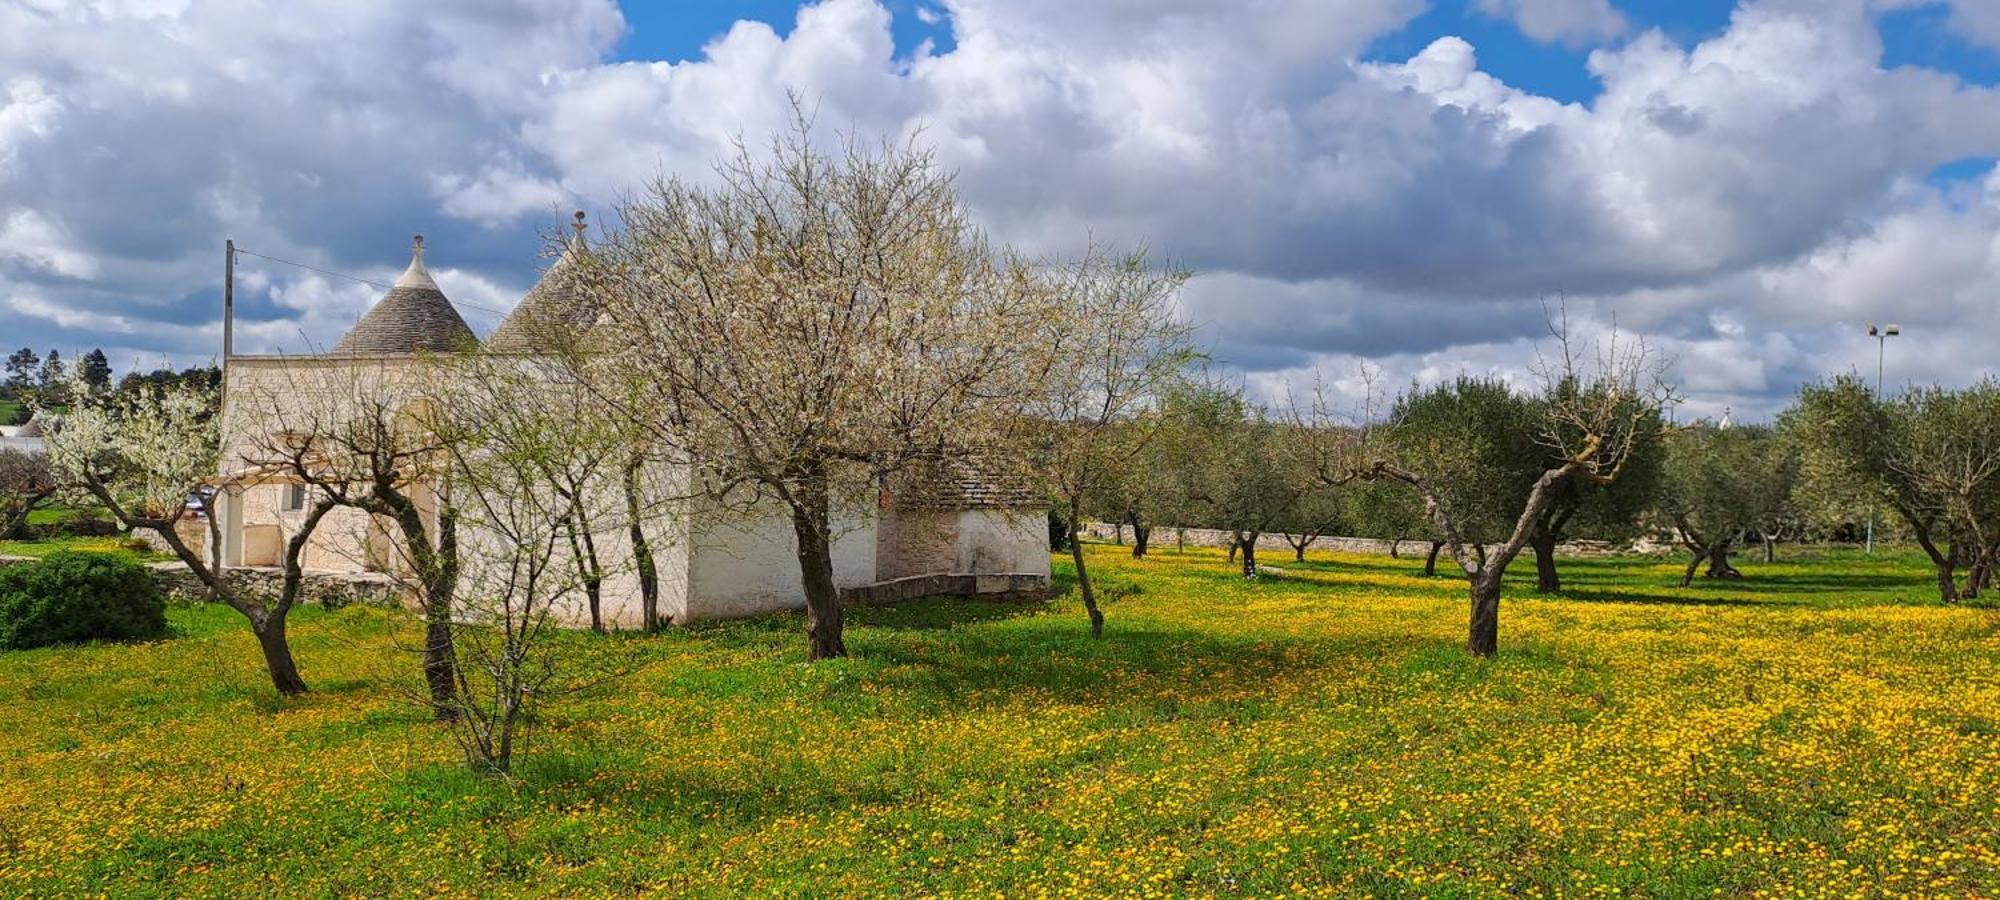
x,y
997,588
331,590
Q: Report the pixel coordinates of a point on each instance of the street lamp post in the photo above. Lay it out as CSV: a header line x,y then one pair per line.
x,y
1881,336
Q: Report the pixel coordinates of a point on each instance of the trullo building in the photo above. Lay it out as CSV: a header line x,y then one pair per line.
x,y
955,533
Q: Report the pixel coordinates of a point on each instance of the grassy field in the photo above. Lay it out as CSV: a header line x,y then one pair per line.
x,y
1823,728
56,515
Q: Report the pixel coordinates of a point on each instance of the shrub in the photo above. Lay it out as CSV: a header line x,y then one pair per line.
x,y
71,597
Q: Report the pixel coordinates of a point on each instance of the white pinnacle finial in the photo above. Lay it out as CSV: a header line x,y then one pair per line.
x,y
579,225
416,276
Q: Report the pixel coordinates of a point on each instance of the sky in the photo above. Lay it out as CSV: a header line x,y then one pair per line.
x,y
1404,183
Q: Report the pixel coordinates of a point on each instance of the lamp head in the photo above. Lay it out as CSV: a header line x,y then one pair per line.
x,y
1892,331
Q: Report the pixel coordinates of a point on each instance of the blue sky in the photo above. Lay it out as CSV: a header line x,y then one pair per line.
x,y
1398,183
679,30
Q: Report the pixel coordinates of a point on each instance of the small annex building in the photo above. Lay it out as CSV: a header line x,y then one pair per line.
x,y
952,531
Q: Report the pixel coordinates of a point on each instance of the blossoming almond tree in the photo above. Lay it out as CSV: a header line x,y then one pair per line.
x,y
146,456
808,323
1118,346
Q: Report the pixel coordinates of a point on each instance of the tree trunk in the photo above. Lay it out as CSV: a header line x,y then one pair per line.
x,y
441,586
1299,548
1118,533
1250,556
1235,545
278,655
1718,563
1140,534
810,524
1083,577
1770,547
1395,548
17,519
1946,566
1547,579
592,572
1431,561
642,552
1483,633
1687,577
1180,539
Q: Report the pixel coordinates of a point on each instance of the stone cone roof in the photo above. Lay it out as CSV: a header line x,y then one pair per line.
x,y
552,313
413,316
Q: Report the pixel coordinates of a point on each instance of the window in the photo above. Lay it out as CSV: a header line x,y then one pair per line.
x,y
295,497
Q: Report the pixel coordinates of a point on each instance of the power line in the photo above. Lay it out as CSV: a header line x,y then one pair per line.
x,y
369,282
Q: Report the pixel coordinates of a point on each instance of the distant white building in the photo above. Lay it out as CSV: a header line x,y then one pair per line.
x,y
24,438
960,533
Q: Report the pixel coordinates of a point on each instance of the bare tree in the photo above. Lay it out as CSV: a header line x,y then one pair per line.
x,y
1592,414
808,325
529,459
148,458
1118,347
26,483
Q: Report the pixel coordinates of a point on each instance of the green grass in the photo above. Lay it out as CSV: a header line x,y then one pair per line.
x,y
59,515
1823,725
10,411
117,546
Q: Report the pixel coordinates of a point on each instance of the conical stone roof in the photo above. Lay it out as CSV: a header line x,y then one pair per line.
x,y
413,316
553,312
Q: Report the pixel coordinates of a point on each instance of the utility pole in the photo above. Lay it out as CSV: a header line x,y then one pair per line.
x,y
228,303
1881,336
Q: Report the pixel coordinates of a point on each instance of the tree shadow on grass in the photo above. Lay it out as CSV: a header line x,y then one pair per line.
x,y
938,613
1644,598
1135,679
1639,580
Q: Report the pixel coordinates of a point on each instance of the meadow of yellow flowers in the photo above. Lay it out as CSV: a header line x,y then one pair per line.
x,y
1822,728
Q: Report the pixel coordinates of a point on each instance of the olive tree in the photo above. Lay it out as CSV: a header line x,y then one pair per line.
x,y
809,323
1460,446
1478,437
1387,511
1722,485
1255,488
1605,510
1931,456
1317,511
